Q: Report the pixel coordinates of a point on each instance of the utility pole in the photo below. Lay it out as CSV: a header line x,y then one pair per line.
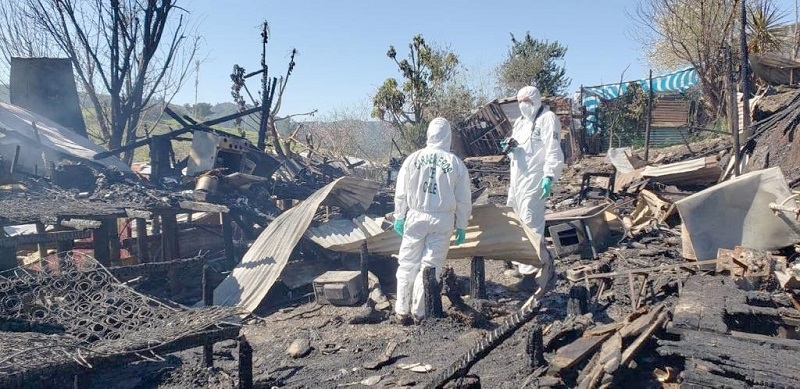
x,y
733,121
265,106
196,84
747,131
649,117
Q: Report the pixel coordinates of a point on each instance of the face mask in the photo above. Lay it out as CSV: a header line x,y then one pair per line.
x,y
527,109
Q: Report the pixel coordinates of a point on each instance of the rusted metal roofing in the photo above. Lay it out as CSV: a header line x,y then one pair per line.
x,y
494,232
263,263
670,112
704,170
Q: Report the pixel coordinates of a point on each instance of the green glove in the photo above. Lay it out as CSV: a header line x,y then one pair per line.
x,y
545,188
461,236
503,144
399,226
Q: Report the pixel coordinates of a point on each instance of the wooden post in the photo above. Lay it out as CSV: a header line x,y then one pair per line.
x,y
365,268
535,347
169,247
208,300
477,278
169,236
227,236
433,297
577,303
8,258
156,224
159,158
649,118
208,287
41,246
142,248
82,380
63,247
113,241
100,243
245,364
15,160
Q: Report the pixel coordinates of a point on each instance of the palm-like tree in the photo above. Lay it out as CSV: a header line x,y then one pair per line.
x,y
763,27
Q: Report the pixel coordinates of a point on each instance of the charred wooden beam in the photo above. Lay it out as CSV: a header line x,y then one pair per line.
x,y
8,257
433,295
477,278
365,268
186,128
203,207
227,236
138,213
141,240
102,252
80,224
40,245
154,268
578,301
535,347
245,364
48,237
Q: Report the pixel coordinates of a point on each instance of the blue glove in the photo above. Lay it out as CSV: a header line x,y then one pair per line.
x,y
503,143
461,236
545,188
399,226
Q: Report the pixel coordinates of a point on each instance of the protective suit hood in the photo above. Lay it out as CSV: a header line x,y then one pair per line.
x,y
530,100
439,136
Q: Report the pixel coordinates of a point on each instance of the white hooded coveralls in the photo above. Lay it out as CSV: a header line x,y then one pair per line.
x,y
432,195
537,156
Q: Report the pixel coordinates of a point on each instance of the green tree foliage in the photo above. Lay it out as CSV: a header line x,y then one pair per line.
x,y
677,33
625,118
428,89
202,110
763,27
538,60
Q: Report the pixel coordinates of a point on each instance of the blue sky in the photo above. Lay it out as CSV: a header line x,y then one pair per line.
x,y
342,44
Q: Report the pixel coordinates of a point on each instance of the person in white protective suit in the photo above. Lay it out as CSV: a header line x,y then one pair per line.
x,y
432,197
536,162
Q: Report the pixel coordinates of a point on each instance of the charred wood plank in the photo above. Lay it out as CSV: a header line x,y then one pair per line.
x,y
47,237
571,354
154,268
138,213
203,207
755,363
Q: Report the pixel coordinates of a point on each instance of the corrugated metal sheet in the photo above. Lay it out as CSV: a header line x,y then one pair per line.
x,y
670,112
692,172
736,213
665,136
494,232
18,124
263,263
